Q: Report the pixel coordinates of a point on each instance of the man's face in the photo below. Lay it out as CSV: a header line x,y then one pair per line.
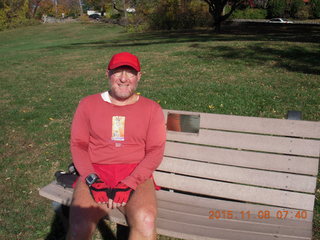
x,y
123,82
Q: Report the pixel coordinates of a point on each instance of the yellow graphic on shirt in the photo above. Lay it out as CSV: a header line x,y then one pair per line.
x,y
118,128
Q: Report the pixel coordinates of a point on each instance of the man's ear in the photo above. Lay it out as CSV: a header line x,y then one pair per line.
x,y
108,73
139,74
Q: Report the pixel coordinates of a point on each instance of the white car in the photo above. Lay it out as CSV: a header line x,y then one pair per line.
x,y
279,20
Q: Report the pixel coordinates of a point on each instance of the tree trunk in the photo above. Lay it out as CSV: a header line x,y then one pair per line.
x,y
218,15
125,13
217,11
56,7
217,26
35,11
81,9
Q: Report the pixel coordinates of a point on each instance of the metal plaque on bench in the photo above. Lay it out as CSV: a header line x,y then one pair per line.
x,y
183,123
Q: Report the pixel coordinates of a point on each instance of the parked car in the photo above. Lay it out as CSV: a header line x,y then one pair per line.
x,y
95,16
279,20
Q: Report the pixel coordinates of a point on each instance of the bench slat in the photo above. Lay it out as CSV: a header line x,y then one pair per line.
x,y
282,127
176,218
254,142
198,220
197,232
57,193
256,218
240,175
267,161
236,191
198,203
211,230
244,226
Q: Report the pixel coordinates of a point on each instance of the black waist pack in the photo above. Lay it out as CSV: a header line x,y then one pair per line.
x,y
66,179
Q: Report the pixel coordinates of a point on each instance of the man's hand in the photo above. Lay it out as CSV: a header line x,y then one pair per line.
x,y
99,191
121,193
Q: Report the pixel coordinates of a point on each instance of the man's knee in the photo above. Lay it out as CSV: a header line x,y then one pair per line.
x,y
145,221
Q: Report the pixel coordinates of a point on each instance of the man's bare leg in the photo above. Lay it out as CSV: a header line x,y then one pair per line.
x,y
85,213
141,212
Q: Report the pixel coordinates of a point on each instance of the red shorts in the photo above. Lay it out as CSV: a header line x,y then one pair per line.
x,y
112,174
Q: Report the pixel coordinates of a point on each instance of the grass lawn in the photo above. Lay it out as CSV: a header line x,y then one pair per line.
x,y
45,70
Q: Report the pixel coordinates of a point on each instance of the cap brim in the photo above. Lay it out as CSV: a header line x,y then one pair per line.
x,y
120,64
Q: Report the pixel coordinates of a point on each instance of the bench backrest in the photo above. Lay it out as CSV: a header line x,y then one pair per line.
x,y
272,162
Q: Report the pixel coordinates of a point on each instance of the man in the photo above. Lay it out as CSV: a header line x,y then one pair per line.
x,y
117,141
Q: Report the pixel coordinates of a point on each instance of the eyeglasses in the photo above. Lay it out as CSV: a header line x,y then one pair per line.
x,y
128,73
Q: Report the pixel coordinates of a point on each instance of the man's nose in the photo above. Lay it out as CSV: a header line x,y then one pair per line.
x,y
123,77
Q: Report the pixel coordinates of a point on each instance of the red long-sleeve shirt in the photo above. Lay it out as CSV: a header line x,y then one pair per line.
x,y
104,133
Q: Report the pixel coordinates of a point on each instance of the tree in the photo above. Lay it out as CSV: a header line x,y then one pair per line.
x,y
216,9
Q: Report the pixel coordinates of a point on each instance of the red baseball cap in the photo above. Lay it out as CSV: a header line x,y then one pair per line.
x,y
124,59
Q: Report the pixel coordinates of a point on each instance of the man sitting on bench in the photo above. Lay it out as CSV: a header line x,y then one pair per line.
x,y
117,141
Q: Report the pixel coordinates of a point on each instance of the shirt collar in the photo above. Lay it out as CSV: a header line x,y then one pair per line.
x,y
106,97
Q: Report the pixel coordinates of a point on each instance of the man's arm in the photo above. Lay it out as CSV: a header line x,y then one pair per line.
x,y
79,150
79,142
155,143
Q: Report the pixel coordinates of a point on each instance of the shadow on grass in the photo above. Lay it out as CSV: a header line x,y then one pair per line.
x,y
59,227
295,58
230,32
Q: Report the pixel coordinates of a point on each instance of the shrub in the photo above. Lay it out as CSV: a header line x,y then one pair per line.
x,y
14,14
315,8
276,8
3,19
261,3
84,18
296,7
250,13
202,17
165,15
304,13
46,8
168,14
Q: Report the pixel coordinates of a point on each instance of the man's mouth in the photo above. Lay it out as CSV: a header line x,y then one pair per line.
x,y
123,85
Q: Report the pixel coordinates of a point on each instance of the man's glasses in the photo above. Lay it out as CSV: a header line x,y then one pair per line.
x,y
128,73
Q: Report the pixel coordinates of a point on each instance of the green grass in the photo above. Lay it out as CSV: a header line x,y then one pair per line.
x,y
45,70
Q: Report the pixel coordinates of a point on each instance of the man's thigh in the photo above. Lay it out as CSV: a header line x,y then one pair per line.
x,y
84,206
144,198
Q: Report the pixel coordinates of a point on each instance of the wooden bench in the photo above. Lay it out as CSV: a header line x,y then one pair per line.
x,y
237,178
